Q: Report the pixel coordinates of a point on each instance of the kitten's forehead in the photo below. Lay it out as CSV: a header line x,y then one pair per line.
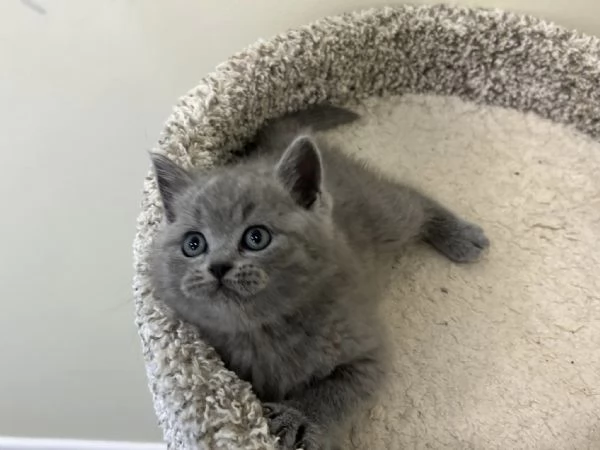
x,y
228,199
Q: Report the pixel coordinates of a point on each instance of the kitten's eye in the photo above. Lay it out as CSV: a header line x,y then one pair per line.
x,y
193,244
256,238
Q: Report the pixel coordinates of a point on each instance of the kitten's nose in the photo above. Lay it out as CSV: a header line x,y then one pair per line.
x,y
219,269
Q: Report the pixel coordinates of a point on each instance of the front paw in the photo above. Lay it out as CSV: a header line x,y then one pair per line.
x,y
292,428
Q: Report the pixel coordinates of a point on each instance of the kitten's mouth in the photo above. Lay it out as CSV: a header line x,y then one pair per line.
x,y
222,288
223,293
219,290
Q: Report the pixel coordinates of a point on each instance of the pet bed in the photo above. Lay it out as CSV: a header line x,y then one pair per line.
x,y
498,116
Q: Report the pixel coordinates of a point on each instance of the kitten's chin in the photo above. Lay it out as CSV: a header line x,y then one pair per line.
x,y
212,293
216,293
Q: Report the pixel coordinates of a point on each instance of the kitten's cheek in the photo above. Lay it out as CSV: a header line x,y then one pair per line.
x,y
260,281
250,281
192,285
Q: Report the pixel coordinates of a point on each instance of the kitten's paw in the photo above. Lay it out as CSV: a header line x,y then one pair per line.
x,y
292,428
464,242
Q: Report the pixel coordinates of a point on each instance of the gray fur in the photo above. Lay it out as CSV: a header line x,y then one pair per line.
x,y
299,319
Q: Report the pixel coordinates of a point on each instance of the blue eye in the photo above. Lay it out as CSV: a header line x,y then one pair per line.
x,y
193,244
256,239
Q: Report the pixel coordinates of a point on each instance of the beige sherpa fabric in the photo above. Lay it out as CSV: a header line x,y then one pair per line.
x,y
497,355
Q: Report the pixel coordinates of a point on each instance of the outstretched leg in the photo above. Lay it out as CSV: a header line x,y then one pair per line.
x,y
413,214
382,215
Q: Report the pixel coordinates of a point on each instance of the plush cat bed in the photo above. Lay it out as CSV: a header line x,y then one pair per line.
x,y
495,114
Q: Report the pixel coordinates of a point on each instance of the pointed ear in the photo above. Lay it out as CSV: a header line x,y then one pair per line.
x,y
301,171
171,179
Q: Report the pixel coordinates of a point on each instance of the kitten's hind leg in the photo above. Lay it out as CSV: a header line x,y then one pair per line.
x,y
459,240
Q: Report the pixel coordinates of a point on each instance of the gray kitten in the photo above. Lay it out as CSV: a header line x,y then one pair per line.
x,y
280,259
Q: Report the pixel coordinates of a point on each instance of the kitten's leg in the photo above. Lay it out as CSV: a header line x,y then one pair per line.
x,y
457,239
410,214
308,418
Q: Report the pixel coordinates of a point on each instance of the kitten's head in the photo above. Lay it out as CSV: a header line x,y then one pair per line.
x,y
244,245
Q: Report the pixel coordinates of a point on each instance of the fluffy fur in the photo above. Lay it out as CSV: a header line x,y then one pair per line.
x,y
298,318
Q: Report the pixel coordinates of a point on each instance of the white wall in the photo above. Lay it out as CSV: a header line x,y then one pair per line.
x,y
84,88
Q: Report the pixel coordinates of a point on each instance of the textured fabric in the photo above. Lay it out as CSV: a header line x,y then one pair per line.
x,y
503,384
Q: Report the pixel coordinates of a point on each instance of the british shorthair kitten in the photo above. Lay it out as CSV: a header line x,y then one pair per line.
x,y
280,261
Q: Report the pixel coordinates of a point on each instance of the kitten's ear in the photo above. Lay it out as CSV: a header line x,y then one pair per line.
x,y
301,172
171,179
